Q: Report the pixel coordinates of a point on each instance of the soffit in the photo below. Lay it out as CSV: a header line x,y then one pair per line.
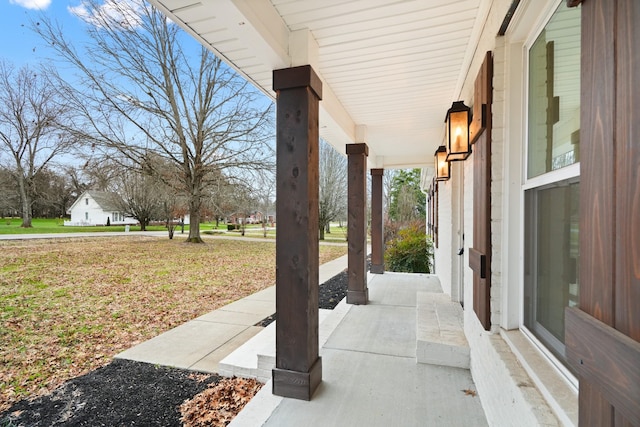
x,y
390,68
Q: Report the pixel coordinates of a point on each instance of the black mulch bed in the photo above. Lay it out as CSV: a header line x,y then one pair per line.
x,y
331,293
123,393
127,393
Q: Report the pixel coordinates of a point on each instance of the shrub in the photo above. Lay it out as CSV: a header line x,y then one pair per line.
x,y
232,227
410,251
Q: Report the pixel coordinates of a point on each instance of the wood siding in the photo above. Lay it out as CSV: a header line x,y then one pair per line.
x,y
480,254
610,217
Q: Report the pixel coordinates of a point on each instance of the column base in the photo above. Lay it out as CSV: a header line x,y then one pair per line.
x,y
377,268
358,297
297,385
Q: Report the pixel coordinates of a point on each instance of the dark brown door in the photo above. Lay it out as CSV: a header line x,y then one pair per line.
x,y
480,253
603,334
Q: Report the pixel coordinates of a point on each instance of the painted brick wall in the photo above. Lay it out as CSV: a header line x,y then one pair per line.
x,y
443,253
508,395
497,182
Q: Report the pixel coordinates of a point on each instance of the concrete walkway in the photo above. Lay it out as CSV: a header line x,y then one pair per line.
x,y
202,343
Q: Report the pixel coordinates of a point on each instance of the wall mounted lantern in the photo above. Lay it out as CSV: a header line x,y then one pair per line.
x,y
457,129
443,167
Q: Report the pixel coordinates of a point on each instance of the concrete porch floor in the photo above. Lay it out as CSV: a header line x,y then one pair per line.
x,y
370,372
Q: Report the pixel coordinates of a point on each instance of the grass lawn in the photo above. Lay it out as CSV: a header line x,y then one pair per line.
x,y
48,225
337,235
68,305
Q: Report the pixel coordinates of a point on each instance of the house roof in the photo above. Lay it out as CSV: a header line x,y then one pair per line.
x,y
390,69
104,199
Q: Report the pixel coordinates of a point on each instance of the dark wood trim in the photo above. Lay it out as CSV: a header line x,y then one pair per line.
x,y
606,358
360,148
295,384
437,214
627,222
597,81
357,291
603,337
478,262
597,187
297,77
298,365
482,98
573,3
377,224
507,17
480,253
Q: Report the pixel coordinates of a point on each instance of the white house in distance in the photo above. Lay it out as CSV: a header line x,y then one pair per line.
x,y
94,208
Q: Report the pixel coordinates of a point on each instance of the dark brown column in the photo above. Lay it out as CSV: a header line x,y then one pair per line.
x,y
357,292
298,370
377,224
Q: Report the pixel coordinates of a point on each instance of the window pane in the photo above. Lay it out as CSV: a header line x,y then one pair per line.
x,y
554,94
551,260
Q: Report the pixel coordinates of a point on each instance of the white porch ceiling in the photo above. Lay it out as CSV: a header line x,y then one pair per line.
x,y
390,68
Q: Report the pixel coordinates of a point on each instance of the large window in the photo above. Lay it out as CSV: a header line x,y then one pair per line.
x,y
554,94
552,260
551,190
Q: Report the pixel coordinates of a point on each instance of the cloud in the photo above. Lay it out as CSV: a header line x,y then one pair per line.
x,y
32,4
125,14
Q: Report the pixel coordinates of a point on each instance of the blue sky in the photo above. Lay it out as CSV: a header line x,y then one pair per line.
x,y
19,44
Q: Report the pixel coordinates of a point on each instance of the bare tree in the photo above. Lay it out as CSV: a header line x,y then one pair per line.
x,y
243,201
10,200
138,196
54,194
387,187
333,186
220,198
266,197
30,133
142,88
99,174
408,202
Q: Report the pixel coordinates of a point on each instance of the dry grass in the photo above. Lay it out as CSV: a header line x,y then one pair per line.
x,y
68,305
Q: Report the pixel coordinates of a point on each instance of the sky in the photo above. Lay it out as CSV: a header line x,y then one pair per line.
x,y
20,45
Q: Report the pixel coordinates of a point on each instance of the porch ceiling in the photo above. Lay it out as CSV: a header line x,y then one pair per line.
x,y
390,68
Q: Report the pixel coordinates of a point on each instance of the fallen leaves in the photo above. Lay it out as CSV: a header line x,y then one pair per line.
x,y
67,306
220,403
469,392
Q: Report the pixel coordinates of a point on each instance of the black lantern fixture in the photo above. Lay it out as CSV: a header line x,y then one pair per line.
x,y
457,129
443,167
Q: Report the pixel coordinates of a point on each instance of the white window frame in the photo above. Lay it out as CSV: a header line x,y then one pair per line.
x,y
558,175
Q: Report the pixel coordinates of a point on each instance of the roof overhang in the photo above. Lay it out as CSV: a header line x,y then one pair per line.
x,y
390,69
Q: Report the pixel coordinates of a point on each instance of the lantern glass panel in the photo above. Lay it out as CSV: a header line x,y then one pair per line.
x,y
442,166
459,131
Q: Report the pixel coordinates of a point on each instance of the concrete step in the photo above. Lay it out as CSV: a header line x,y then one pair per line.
x,y
440,336
246,361
257,357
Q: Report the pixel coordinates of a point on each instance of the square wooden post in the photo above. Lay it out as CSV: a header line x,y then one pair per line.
x,y
298,370
357,292
377,223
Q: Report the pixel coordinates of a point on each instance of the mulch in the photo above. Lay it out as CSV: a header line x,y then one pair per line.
x,y
128,393
122,393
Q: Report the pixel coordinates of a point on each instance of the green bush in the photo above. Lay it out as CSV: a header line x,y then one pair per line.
x,y
232,227
410,251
